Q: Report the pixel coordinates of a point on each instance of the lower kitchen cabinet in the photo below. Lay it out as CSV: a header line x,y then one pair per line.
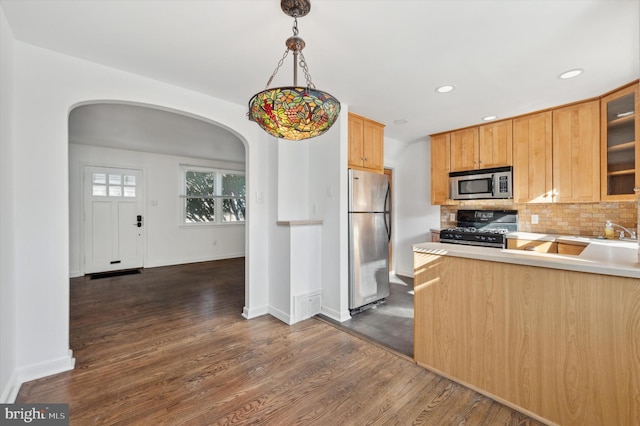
x,y
532,245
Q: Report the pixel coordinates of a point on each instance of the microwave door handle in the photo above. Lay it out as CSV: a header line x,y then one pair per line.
x,y
493,185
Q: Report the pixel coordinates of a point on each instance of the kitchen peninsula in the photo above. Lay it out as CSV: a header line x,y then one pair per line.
x,y
556,336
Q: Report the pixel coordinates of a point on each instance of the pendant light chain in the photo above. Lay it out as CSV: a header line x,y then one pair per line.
x,y
305,69
280,62
303,61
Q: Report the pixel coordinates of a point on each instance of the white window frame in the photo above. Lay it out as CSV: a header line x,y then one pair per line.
x,y
218,208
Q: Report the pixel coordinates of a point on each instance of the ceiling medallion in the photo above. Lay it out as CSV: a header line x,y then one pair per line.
x,y
294,112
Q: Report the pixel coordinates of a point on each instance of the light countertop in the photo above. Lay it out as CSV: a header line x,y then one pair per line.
x,y
607,257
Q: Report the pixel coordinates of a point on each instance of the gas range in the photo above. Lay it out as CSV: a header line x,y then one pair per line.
x,y
486,228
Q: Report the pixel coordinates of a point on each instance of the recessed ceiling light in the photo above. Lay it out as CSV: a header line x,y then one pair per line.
x,y
489,117
400,121
445,89
570,74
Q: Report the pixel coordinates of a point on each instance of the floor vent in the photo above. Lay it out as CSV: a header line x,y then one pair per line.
x,y
99,275
307,305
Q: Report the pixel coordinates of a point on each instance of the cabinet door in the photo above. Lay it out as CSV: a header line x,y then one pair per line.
x,y
576,153
620,121
356,135
440,157
464,146
372,143
532,159
495,144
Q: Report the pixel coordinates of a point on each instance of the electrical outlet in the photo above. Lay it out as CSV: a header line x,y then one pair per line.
x,y
534,219
452,217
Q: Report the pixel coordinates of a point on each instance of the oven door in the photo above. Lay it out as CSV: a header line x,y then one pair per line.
x,y
471,187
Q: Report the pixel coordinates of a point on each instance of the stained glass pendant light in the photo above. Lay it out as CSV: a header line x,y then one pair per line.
x,y
294,112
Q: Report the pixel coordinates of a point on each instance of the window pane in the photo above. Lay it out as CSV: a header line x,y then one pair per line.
x,y
233,185
199,183
199,210
129,191
233,210
99,178
115,191
99,190
130,180
115,179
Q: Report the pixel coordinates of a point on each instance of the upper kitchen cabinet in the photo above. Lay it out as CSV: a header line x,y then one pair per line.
x,y
495,144
464,149
532,158
440,168
576,153
366,144
620,133
482,147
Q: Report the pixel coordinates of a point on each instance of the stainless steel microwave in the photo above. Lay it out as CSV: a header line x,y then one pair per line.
x,y
481,184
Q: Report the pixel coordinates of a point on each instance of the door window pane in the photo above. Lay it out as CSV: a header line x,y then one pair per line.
x,y
100,178
115,179
99,191
129,191
129,180
115,191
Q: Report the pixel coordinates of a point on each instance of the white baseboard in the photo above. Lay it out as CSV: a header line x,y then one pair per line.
x,y
282,316
171,262
33,372
335,315
10,392
75,274
255,312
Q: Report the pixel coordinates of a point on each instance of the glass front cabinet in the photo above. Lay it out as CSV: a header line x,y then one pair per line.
x,y
620,139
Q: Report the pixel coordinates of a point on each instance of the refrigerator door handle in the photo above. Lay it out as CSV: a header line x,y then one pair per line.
x,y
387,213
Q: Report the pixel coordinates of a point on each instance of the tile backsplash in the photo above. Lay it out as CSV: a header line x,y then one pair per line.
x,y
585,219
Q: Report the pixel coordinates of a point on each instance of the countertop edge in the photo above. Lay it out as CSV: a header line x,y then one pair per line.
x,y
298,222
617,261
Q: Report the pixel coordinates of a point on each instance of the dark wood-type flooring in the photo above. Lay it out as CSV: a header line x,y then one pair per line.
x,y
169,347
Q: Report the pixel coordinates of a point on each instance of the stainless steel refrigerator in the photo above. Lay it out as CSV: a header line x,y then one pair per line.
x,y
369,236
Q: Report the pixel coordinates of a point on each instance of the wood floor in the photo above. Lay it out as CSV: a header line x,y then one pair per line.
x,y
169,347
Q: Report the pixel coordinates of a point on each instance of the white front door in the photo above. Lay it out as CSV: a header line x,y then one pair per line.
x,y
113,222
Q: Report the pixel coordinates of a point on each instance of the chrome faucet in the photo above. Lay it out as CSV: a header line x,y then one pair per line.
x,y
632,235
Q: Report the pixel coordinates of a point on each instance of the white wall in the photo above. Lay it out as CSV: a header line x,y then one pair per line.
x,y
413,215
166,243
312,184
46,86
328,192
8,314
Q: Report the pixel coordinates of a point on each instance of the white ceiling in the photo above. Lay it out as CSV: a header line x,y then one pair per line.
x,y
383,58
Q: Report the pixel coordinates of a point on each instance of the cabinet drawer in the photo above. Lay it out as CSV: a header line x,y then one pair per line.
x,y
573,249
532,245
